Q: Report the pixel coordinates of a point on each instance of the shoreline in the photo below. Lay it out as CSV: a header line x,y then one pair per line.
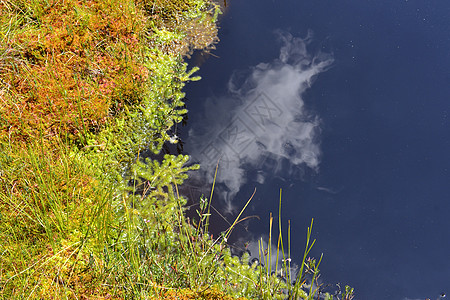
x,y
85,87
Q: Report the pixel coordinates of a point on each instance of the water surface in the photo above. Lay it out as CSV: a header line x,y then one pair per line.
x,y
345,106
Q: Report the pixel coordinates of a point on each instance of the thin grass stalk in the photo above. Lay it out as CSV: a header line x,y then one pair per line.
x,y
278,254
289,255
269,252
315,272
190,245
132,245
39,209
308,248
210,198
128,252
280,240
228,232
261,258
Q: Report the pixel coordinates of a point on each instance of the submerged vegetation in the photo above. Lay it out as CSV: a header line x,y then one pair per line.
x,y
85,86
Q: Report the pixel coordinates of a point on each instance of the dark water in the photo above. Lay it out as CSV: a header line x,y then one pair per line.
x,y
350,119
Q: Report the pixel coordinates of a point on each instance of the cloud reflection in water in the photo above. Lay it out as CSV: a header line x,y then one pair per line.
x,y
262,124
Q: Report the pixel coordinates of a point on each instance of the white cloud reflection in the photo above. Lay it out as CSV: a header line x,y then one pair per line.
x,y
262,124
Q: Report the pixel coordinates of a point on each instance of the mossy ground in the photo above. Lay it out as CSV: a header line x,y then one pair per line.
x,y
78,80
67,66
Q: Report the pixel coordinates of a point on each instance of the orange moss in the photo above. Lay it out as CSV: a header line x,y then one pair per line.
x,y
188,294
65,66
82,60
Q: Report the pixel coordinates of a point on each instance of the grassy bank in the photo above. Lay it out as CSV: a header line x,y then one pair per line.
x,y
85,86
